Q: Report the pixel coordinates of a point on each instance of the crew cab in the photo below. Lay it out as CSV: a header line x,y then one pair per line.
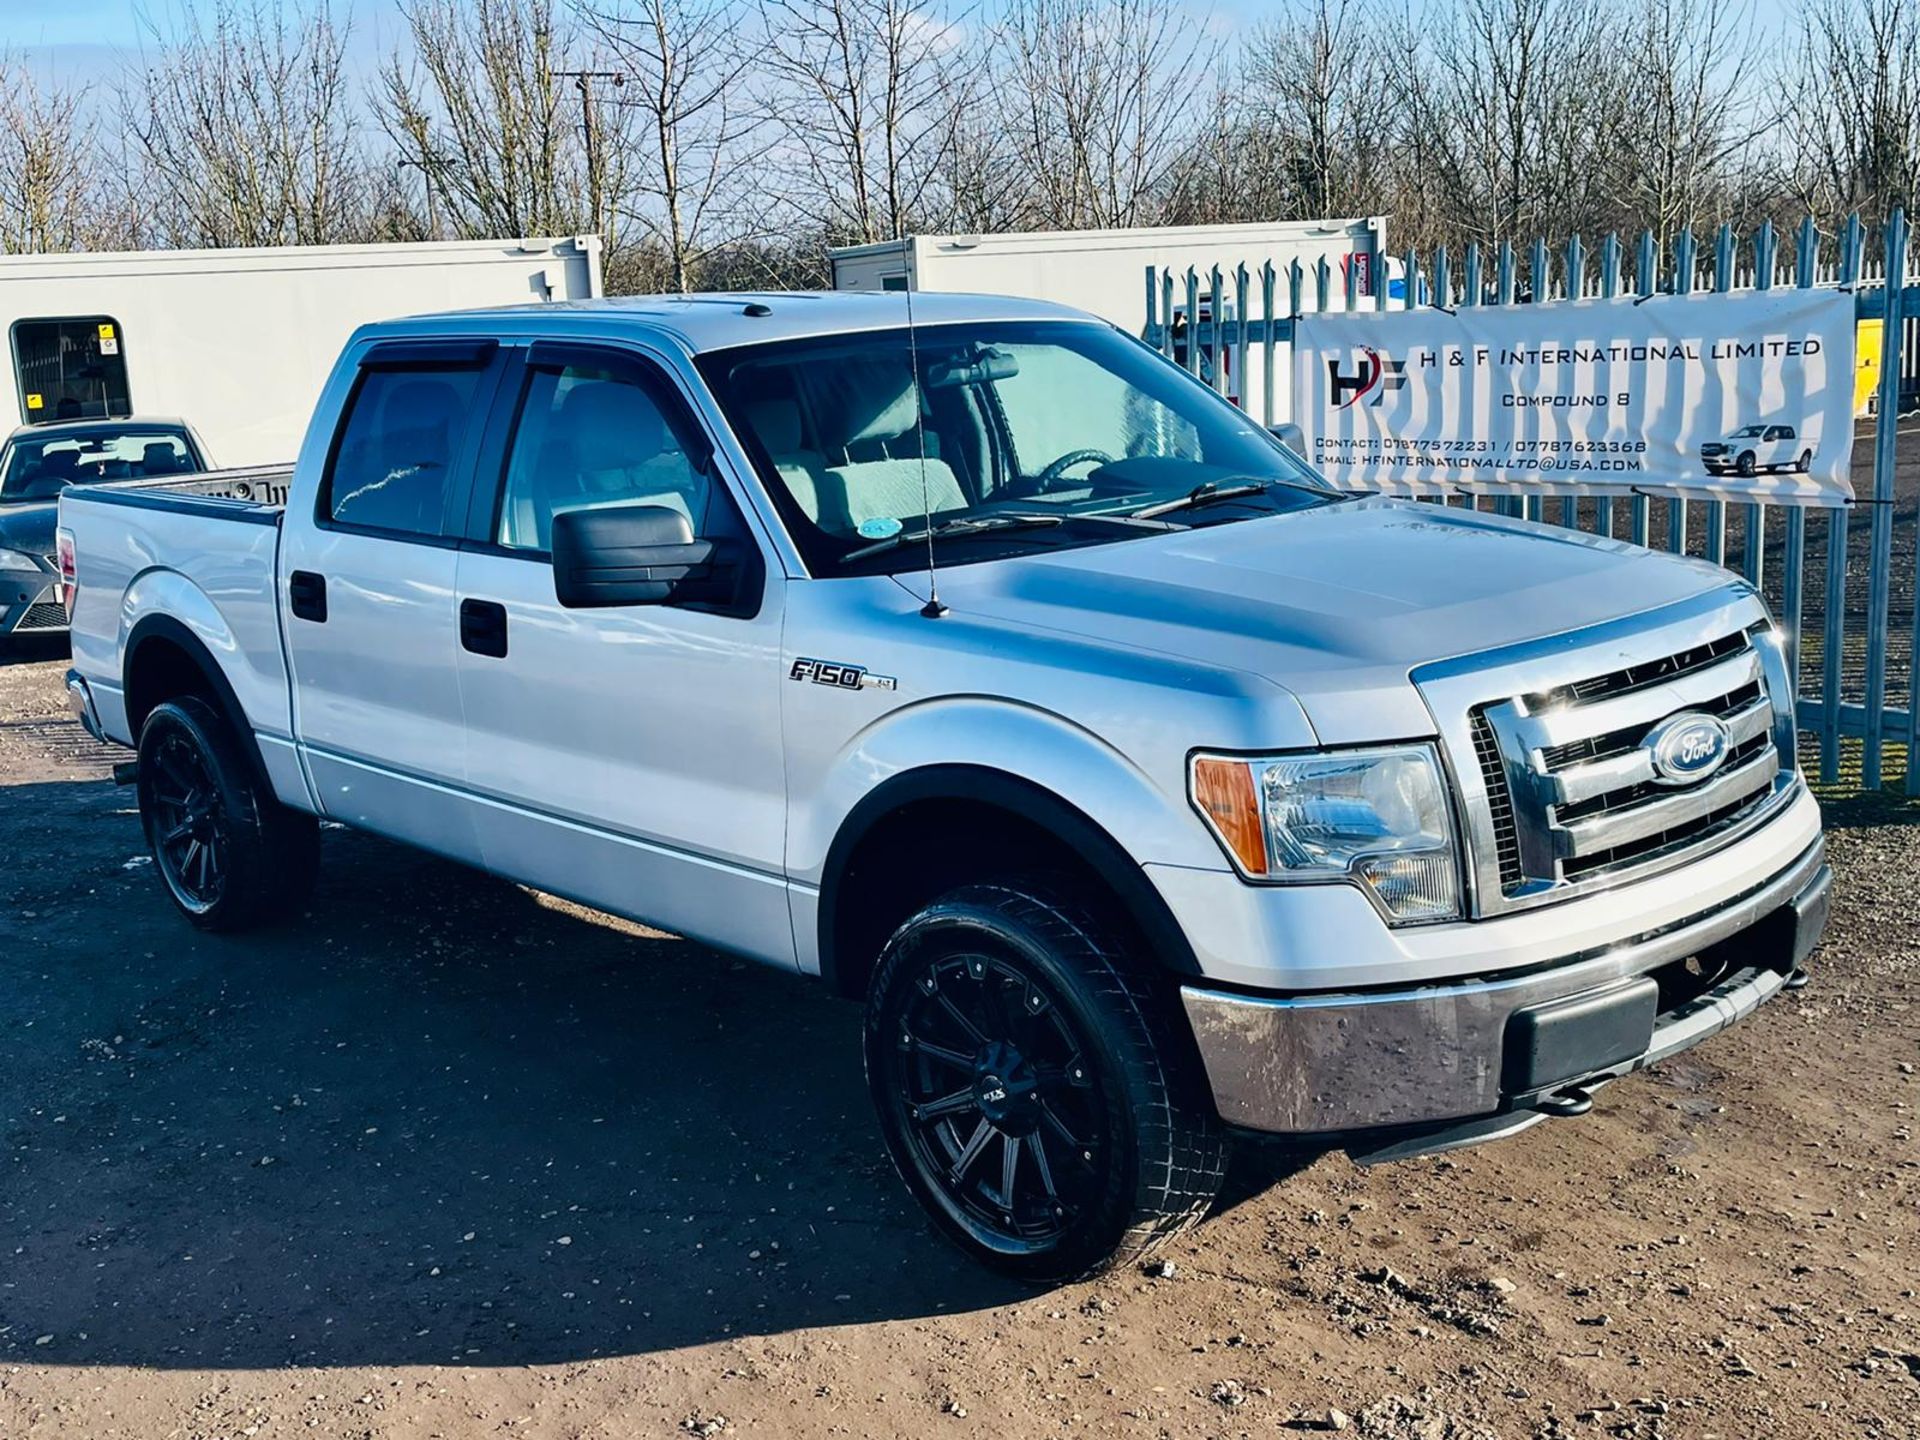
x,y
979,661
1753,448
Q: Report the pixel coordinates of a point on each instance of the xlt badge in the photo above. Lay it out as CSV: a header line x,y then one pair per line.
x,y
841,677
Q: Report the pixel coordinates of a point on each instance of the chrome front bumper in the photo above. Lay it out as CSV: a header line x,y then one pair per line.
x,y
1486,1051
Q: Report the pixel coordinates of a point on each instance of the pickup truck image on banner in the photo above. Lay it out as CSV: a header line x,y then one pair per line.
x,y
1746,394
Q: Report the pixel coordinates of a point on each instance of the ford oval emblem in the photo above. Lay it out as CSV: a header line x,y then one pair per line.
x,y
1686,747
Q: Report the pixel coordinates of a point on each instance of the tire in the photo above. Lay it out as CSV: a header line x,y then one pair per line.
x,y
229,855
1009,1040
1746,463
1804,463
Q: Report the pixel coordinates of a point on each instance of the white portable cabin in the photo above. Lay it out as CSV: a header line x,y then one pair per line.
x,y
1105,271
239,342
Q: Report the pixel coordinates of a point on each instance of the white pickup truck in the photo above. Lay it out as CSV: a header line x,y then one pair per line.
x,y
997,672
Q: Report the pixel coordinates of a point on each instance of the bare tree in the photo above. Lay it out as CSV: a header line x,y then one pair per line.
x,y
868,95
1687,112
687,103
47,164
244,127
501,133
1504,126
1098,101
1311,88
1854,127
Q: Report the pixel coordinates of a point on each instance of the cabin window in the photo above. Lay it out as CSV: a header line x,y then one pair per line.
x,y
70,367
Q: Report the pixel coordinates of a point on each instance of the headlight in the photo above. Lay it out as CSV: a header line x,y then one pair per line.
x,y
18,560
1376,817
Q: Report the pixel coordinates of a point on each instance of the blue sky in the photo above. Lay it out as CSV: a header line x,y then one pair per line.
x,y
92,39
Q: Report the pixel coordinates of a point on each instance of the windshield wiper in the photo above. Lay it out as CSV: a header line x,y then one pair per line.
x,y
1210,493
955,529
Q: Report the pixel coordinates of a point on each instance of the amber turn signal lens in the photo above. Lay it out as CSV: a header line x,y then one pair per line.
x,y
1223,789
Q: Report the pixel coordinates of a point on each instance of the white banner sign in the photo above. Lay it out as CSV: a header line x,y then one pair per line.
x,y
1748,394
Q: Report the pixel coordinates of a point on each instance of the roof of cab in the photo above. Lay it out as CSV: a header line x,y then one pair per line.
x,y
720,321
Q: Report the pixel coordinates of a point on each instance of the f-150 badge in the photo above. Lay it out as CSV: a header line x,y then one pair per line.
x,y
839,676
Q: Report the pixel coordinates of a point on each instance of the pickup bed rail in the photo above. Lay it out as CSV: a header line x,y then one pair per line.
x,y
257,493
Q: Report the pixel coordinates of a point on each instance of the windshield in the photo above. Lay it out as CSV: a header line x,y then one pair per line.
x,y
1001,420
40,467
1746,432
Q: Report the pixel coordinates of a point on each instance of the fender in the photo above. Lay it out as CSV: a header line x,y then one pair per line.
x,y
1146,813
1143,904
156,626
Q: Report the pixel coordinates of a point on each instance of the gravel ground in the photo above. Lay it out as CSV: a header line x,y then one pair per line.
x,y
450,1158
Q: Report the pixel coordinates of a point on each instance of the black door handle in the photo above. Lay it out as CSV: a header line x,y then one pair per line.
x,y
307,596
483,627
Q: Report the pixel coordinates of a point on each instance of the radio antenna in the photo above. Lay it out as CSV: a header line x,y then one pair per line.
x,y
933,609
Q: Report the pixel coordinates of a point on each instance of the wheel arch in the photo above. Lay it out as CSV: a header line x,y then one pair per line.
x,y
165,659
874,875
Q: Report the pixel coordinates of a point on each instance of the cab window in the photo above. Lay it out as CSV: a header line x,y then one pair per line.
x,y
394,460
71,367
592,434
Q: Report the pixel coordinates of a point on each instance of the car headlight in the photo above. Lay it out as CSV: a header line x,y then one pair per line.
x,y
18,560
1378,818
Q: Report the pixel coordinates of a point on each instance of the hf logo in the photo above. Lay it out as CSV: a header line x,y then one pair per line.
x,y
1376,375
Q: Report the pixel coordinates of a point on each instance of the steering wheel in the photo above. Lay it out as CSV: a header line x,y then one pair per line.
x,y
1053,473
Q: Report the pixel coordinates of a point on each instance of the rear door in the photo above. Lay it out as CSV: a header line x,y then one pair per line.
x,y
367,581
628,757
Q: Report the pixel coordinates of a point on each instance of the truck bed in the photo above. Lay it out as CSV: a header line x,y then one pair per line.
x,y
201,550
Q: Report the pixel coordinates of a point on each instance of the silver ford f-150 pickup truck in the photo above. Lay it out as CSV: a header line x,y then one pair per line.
x,y
991,668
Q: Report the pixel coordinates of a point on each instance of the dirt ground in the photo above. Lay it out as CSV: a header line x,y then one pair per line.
x,y
453,1159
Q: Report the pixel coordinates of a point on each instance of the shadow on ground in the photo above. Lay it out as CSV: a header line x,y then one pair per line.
x,y
438,1120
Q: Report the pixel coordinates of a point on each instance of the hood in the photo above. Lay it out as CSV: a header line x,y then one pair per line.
x,y
29,526
1336,604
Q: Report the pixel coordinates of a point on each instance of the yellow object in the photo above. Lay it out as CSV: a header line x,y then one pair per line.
x,y
1867,342
34,402
106,332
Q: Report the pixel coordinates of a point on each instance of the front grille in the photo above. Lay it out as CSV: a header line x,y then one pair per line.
x,y
1572,790
43,615
1506,833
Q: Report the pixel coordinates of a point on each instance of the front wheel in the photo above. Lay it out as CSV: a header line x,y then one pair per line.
x,y
1032,1089
229,854
1747,464
1805,462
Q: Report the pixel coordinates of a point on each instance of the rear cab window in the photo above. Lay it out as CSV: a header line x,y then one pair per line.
x,y
396,465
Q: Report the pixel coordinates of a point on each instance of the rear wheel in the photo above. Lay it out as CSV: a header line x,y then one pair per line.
x,y
1033,1094
229,854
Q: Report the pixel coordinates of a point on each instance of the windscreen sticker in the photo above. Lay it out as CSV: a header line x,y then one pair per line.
x,y
35,401
879,527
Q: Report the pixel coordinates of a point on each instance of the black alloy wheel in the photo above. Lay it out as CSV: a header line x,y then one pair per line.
x,y
1035,1083
229,853
992,1084
192,840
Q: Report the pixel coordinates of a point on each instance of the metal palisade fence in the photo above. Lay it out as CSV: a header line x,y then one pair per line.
x,y
1841,584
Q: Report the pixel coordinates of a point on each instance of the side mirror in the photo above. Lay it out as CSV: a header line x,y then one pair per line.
x,y
1291,436
634,555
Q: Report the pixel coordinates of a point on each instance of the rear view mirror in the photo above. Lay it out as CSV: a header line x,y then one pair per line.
x,y
1291,436
634,555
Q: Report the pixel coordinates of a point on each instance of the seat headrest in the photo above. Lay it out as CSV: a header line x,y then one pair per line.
x,y
60,462
777,423
156,456
862,398
418,406
611,426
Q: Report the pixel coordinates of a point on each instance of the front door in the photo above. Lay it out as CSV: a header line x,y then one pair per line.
x,y
627,757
